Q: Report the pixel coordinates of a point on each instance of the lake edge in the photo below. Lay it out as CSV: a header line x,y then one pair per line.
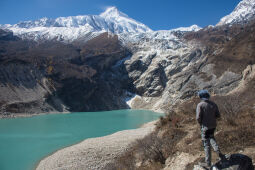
x,y
148,125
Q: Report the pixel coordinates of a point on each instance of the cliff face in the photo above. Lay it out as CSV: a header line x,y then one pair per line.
x,y
55,77
212,58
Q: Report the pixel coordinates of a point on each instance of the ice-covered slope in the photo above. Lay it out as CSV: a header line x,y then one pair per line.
x,y
244,11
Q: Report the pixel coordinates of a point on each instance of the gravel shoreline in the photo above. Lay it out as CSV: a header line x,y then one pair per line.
x,y
21,115
94,153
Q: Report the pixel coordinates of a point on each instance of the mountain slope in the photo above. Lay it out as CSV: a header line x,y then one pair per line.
x,y
244,12
56,77
147,69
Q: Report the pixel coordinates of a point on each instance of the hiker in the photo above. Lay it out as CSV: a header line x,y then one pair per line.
x,y
206,114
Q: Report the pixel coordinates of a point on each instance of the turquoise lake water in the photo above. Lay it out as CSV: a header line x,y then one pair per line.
x,y
25,141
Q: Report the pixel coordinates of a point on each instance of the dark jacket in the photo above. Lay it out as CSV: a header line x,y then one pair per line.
x,y
206,114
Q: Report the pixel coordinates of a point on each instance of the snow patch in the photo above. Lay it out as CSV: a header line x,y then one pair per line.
x,y
188,29
131,98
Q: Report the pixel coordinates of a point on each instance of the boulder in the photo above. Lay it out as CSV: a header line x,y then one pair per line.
x,y
233,162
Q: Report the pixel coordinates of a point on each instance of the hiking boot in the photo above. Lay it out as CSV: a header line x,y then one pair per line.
x,y
204,165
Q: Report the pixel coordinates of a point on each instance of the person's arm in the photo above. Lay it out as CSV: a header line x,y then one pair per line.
x,y
217,112
199,114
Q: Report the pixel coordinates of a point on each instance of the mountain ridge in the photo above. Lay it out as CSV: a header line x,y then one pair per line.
x,y
148,71
243,12
84,27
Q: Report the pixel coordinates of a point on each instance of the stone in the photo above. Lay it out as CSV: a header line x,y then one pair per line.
x,y
234,162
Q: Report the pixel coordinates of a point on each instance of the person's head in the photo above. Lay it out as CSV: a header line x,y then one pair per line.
x,y
204,94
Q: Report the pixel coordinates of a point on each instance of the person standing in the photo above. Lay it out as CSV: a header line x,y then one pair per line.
x,y
206,114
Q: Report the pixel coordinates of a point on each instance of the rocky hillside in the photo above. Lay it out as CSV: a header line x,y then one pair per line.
x,y
55,77
213,58
121,67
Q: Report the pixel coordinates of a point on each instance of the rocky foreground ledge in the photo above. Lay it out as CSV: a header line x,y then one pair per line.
x,y
94,153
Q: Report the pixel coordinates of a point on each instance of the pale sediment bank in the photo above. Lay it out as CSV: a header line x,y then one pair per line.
x,y
18,115
94,153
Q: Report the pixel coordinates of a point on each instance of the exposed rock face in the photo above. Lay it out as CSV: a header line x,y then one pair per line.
x,y
7,35
212,58
55,77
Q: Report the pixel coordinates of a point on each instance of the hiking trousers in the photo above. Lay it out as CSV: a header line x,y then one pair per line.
x,y
208,140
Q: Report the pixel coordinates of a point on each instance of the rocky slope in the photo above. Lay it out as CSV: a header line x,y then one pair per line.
x,y
211,58
55,77
130,66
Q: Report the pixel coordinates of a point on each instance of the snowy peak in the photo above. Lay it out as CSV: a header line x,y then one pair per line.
x,y
112,20
121,23
86,27
188,29
243,12
112,12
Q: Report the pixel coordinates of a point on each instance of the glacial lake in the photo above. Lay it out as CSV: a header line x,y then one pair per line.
x,y
25,141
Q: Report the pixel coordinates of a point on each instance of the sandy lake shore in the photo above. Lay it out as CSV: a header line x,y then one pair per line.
x,y
94,153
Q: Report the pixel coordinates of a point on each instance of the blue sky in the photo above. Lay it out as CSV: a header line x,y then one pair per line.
x,y
157,14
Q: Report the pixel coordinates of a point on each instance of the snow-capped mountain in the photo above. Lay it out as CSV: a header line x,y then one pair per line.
x,y
82,27
243,12
111,20
85,27
121,23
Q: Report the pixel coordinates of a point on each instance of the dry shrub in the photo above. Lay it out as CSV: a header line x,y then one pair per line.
x,y
171,119
151,152
238,123
157,147
151,148
124,162
234,138
196,136
231,107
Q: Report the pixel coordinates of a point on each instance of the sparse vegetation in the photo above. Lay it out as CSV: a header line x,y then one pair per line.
x,y
179,132
151,152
